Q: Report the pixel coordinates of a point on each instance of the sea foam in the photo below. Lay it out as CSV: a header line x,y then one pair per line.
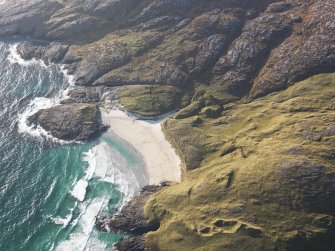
x,y
106,165
39,103
79,238
15,58
37,131
79,189
62,221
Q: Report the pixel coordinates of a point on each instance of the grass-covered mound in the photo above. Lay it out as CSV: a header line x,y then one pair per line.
x,y
149,101
266,179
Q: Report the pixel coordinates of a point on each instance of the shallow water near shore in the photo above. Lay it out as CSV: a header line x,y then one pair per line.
x,y
51,192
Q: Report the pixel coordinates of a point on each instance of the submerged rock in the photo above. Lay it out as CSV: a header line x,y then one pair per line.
x,y
70,121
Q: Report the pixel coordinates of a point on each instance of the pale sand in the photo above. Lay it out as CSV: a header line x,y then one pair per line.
x,y
146,136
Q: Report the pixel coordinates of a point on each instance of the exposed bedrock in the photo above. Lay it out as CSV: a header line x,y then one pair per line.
x,y
259,172
82,94
251,49
48,53
70,122
308,51
235,71
131,219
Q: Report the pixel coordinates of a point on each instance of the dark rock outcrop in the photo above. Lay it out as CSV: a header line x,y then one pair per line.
x,y
308,51
83,94
131,219
243,48
53,52
214,52
71,21
235,71
131,244
70,122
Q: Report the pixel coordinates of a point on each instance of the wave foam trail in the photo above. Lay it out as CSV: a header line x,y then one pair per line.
x,y
15,58
106,165
113,168
36,105
62,221
79,189
78,240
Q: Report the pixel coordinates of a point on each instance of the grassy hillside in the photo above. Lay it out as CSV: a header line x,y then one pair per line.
x,y
259,173
148,100
266,176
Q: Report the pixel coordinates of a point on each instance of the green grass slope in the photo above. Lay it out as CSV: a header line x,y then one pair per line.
x,y
266,176
148,100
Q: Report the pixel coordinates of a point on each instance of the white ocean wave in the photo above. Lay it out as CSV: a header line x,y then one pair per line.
x,y
79,190
39,103
79,238
107,165
37,131
62,221
15,58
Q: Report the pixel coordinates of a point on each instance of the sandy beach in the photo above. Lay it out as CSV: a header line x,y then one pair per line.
x,y
146,136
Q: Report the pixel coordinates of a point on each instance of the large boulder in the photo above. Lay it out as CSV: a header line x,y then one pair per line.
x,y
70,121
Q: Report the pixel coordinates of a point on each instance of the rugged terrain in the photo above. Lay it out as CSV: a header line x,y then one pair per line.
x,y
76,121
254,123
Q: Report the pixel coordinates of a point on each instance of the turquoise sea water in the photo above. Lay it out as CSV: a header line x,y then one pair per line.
x,y
42,181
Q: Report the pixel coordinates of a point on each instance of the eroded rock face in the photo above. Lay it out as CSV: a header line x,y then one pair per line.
x,y
308,51
131,219
131,244
243,48
242,62
270,160
70,122
84,95
75,21
53,52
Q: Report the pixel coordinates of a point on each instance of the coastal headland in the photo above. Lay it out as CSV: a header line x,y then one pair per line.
x,y
250,89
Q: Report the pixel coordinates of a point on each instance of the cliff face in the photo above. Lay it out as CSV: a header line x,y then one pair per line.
x,y
257,144
241,48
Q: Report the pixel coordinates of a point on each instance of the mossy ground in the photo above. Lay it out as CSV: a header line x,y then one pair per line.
x,y
149,101
87,113
131,42
265,165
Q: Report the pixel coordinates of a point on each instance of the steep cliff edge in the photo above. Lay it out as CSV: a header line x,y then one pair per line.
x,y
257,143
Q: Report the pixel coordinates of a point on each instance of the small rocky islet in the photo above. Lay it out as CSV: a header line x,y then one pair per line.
x,y
253,86
69,122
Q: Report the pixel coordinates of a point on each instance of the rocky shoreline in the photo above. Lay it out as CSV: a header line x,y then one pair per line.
x,y
78,121
207,54
132,220
242,49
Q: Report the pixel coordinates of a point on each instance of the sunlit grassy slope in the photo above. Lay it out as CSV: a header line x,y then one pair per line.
x,y
266,179
148,100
